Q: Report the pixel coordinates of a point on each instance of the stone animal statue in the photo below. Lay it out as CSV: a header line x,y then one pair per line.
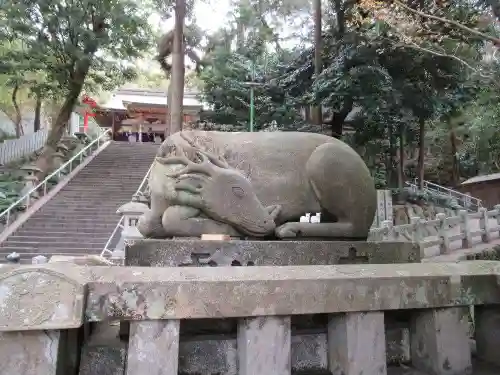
x,y
258,185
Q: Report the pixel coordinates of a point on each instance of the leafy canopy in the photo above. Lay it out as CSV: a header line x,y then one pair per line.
x,y
74,41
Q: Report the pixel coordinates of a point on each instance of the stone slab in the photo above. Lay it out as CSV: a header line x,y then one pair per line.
x,y
39,298
104,353
135,293
172,253
439,342
356,344
153,348
264,345
206,353
29,353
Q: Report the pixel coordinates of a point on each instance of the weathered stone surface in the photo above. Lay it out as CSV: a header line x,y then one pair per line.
x,y
104,353
257,184
264,345
29,353
154,348
39,298
356,344
439,342
178,293
487,333
171,253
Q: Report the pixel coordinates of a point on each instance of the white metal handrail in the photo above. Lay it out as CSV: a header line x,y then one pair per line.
x,y
25,199
119,225
467,200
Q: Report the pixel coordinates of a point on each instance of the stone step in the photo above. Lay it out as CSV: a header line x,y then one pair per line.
x,y
78,210
97,198
81,217
64,232
56,244
70,238
76,217
28,255
33,223
70,228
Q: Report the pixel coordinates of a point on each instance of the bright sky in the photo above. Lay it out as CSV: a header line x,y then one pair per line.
x,y
209,15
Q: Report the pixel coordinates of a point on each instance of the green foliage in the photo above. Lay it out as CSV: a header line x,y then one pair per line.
x,y
384,84
225,88
71,42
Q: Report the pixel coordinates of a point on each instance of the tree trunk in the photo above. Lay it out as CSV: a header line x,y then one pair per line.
x,y
178,70
169,108
391,176
18,116
337,121
495,8
421,152
38,110
318,115
401,167
82,66
455,173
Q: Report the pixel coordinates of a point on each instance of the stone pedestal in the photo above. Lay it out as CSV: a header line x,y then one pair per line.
x,y
264,345
153,348
487,320
356,344
439,342
195,252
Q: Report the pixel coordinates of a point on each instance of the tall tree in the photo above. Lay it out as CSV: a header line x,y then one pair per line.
x,y
318,64
176,91
73,43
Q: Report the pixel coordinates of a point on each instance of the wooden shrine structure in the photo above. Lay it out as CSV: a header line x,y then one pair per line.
x,y
142,112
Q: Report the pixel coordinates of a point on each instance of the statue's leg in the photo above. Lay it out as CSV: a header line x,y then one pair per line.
x,y
149,224
347,199
184,221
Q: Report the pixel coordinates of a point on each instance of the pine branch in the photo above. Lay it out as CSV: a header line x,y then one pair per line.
x,y
483,36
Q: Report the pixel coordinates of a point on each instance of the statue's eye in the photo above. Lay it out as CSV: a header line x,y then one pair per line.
x,y
239,192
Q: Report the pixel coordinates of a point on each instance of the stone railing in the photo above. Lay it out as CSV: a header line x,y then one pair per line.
x,y
276,319
444,235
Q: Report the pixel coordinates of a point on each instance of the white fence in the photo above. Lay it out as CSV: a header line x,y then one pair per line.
x,y
14,149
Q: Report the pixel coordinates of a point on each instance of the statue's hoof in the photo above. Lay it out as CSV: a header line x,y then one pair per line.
x,y
287,230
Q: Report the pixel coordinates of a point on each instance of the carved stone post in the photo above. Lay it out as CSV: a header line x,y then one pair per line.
x,y
439,342
487,320
484,224
497,208
465,229
444,246
154,348
264,345
29,353
356,344
40,307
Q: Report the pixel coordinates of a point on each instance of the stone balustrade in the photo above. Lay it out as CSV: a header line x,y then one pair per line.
x,y
45,312
446,233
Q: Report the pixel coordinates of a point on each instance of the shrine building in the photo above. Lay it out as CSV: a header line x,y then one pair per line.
x,y
141,111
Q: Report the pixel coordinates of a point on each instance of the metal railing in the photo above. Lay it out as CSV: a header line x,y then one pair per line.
x,y
465,200
26,199
117,232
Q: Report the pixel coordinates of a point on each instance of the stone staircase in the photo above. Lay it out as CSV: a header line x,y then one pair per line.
x,y
82,216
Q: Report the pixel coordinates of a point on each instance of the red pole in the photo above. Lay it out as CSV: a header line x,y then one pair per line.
x,y
85,122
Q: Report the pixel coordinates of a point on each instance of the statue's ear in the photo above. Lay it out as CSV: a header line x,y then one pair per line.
x,y
274,210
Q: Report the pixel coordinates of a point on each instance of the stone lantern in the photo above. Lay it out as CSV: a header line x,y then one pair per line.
x,y
131,213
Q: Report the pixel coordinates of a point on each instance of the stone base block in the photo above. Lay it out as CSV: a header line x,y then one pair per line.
x,y
193,252
104,353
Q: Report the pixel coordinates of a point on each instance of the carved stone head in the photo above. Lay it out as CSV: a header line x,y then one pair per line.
x,y
221,192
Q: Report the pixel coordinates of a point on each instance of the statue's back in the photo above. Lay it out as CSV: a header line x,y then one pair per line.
x,y
275,163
